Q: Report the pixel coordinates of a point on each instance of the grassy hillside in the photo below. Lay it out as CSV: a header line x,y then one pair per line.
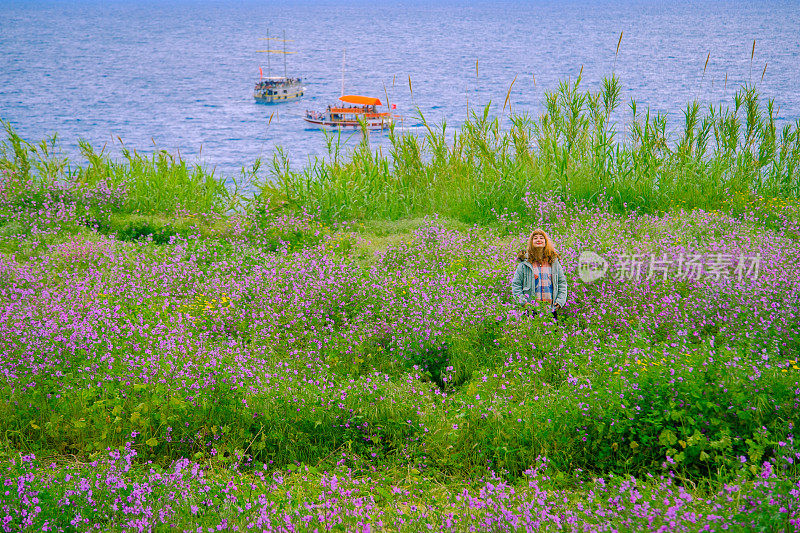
x,y
340,351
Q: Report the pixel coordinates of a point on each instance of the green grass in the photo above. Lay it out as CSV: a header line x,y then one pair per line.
x,y
159,183
583,148
721,158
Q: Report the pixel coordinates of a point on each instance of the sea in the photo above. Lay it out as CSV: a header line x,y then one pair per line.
x,y
178,75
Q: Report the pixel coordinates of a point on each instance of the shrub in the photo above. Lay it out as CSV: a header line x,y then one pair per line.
x,y
141,229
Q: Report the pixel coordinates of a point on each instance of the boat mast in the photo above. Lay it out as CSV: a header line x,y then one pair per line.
x,y
270,51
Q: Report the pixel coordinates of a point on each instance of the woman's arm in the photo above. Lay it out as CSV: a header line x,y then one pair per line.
x,y
516,284
560,296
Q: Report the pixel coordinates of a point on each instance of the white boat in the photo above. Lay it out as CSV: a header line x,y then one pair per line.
x,y
278,89
274,89
351,112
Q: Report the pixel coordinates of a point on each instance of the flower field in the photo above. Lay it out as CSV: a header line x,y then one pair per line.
x,y
271,372
338,350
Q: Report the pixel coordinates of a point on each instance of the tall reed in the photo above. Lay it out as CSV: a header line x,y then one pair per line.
x,y
157,183
577,150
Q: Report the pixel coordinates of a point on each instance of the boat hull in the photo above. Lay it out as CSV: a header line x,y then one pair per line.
x,y
278,91
276,99
344,124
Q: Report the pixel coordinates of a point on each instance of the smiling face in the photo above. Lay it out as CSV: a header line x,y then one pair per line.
x,y
540,247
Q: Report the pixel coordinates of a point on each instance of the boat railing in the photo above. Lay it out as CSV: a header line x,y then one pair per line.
x,y
345,116
357,111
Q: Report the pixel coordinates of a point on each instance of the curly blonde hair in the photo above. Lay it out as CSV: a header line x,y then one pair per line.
x,y
539,255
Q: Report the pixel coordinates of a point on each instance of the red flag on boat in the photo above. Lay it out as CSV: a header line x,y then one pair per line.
x,y
261,73
394,106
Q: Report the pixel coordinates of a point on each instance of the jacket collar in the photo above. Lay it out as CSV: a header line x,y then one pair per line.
x,y
530,265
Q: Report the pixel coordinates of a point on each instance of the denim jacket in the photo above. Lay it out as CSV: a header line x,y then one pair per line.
x,y
522,286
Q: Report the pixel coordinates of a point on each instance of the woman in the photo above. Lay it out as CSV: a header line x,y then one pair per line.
x,y
539,276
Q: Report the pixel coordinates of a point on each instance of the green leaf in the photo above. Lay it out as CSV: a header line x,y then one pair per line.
x,y
667,438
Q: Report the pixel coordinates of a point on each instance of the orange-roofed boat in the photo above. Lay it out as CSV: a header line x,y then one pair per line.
x,y
351,111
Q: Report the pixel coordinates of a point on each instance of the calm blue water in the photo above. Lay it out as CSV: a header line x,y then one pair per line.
x,y
180,74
